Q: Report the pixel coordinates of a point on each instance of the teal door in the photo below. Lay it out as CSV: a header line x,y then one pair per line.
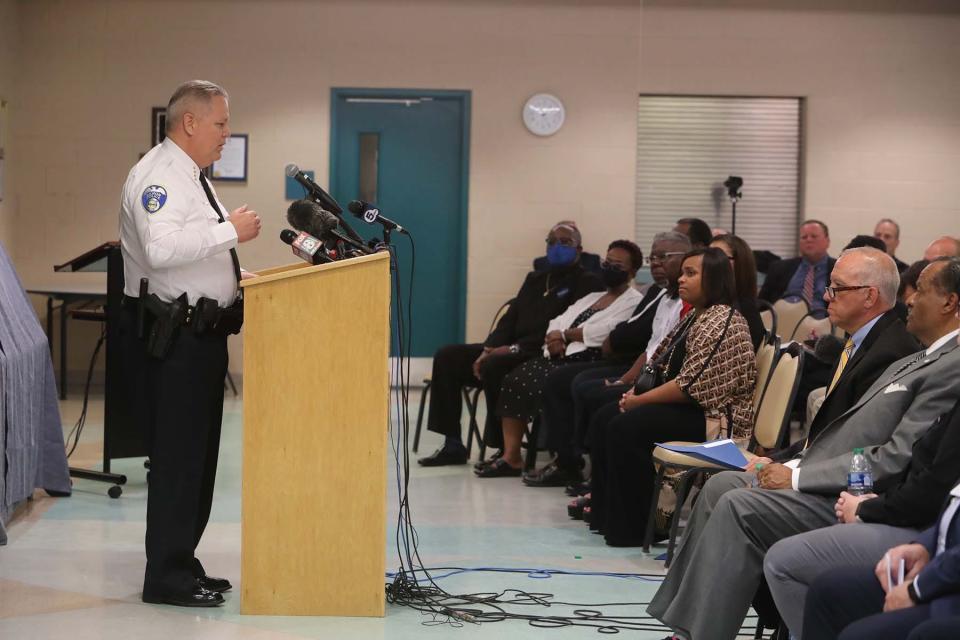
x,y
406,151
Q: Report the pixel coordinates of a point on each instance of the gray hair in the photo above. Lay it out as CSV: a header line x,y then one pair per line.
x,y
189,94
879,270
571,227
674,237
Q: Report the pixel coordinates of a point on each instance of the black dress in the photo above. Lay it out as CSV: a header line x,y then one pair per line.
x,y
522,390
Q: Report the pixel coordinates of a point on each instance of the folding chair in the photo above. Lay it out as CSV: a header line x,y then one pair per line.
x,y
471,397
771,426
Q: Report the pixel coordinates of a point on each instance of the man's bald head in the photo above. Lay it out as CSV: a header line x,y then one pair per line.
x,y
942,247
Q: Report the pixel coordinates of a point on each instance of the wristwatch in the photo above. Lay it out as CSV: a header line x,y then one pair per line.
x,y
912,592
514,348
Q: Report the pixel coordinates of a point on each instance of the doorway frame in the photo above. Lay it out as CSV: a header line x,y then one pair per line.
x,y
464,97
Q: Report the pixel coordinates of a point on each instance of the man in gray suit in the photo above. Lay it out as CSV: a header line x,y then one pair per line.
x,y
719,566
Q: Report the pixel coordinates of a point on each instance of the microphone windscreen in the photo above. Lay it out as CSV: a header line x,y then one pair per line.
x,y
357,207
301,214
288,236
828,348
292,170
325,221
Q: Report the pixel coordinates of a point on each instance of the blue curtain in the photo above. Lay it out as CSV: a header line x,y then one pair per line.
x,y
32,451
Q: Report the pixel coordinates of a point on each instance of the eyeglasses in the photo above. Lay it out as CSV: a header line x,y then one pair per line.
x,y
606,264
833,291
662,257
566,242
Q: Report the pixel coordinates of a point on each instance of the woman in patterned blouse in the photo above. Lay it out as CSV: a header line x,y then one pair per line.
x,y
709,370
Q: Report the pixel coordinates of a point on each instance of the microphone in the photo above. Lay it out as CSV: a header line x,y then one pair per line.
x,y
370,214
324,198
305,246
308,216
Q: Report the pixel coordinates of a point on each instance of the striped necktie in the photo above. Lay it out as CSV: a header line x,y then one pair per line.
x,y
844,358
808,285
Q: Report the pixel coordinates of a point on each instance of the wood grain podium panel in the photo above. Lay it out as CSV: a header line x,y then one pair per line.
x,y
315,409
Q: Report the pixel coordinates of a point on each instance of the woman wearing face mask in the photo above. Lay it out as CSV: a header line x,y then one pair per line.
x,y
573,336
708,370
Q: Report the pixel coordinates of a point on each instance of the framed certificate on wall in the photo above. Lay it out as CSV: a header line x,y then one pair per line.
x,y
232,164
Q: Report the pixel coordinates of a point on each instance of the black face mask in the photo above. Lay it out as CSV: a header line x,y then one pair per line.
x,y
612,276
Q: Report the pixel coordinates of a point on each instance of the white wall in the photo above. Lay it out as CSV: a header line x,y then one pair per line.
x,y
882,122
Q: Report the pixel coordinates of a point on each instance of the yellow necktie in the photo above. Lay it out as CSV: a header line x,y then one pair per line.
x,y
844,358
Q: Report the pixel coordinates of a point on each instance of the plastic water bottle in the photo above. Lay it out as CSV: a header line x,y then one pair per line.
x,y
860,477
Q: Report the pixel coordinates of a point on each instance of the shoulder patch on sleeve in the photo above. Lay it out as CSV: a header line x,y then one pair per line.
x,y
153,198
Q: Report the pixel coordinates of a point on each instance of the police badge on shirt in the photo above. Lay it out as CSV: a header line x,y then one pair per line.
x,y
153,198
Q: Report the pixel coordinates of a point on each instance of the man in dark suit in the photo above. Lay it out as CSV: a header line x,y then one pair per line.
x,y
804,277
871,524
877,335
889,231
517,337
733,525
869,602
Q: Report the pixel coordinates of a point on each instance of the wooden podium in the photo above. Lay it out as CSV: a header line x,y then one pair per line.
x,y
316,346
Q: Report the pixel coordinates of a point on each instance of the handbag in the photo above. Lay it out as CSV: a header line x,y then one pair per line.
x,y
652,375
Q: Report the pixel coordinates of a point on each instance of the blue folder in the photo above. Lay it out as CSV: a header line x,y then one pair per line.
x,y
721,452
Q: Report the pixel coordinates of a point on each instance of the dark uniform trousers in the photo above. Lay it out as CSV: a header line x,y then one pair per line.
x,y
180,401
452,370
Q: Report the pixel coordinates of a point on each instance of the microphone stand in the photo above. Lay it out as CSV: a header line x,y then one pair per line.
x,y
734,197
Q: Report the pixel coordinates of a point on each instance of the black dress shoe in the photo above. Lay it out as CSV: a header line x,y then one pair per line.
x,y
577,489
445,455
553,476
218,585
199,597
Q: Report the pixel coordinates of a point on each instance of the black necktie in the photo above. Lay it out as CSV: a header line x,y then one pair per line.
x,y
213,203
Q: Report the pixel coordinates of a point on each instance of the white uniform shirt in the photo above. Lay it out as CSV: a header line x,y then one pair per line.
x,y
171,235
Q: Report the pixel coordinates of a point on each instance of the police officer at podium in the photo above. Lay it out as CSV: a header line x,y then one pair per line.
x,y
181,302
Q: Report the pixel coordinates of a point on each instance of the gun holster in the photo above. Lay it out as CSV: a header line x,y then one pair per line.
x,y
167,318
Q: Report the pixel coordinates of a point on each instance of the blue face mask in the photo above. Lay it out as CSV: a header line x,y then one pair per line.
x,y
559,255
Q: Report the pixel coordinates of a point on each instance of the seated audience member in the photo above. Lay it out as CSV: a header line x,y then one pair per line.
x,y
870,523
908,280
733,525
867,241
868,602
877,335
745,279
589,261
942,247
573,336
629,341
804,277
709,371
696,229
517,337
889,231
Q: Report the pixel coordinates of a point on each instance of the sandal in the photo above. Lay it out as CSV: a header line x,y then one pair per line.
x,y
576,507
499,469
486,463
